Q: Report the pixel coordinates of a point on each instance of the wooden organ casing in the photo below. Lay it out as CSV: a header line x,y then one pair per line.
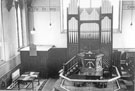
x,y
90,29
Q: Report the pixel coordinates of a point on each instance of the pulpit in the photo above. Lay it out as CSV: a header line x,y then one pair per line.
x,y
91,60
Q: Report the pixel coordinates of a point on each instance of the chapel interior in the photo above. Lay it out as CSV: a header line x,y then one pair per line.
x,y
67,45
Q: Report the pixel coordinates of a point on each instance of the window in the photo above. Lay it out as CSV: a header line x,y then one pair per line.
x,y
19,27
91,3
117,8
1,43
1,38
64,5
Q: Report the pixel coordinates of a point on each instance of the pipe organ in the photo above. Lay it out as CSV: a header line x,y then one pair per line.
x,y
90,29
89,42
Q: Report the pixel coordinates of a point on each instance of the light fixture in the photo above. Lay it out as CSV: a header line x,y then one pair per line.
x,y
131,24
131,14
33,31
50,24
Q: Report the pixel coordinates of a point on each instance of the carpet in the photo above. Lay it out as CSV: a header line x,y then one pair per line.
x,y
42,85
28,86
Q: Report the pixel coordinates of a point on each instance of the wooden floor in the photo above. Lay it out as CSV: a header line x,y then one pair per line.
x,y
49,85
54,85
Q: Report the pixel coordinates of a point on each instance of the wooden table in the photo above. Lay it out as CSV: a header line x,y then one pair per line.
x,y
25,79
32,74
28,77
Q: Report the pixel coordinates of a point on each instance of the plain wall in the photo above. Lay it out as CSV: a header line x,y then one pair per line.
x,y
53,36
126,39
41,19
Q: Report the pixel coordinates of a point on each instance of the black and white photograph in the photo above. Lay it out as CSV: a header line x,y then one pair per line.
x,y
67,45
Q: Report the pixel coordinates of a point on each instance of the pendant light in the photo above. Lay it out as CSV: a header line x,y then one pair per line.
x,y
131,14
33,31
50,24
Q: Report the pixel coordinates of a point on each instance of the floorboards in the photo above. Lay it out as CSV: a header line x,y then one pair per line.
x,y
49,85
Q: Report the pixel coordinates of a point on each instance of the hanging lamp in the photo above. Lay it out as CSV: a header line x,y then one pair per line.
x,y
131,14
50,24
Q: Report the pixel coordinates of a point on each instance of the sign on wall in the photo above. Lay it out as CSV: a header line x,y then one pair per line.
x,y
44,9
33,50
128,5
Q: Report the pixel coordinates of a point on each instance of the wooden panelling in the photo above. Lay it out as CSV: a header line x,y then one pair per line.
x,y
34,63
89,44
56,58
72,50
48,63
116,59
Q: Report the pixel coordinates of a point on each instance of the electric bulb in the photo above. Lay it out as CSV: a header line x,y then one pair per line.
x,y
32,32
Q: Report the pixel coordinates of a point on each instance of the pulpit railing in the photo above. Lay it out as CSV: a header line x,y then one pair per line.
x,y
71,66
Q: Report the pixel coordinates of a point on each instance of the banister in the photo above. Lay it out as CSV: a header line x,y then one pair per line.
x,y
83,80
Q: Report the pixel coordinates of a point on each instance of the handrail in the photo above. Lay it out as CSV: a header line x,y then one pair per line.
x,y
70,60
76,80
61,85
73,66
83,80
118,85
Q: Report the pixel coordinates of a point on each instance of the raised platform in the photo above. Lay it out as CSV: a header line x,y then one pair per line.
x,y
64,85
86,82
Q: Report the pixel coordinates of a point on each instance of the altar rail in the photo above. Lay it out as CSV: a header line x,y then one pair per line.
x,y
83,80
113,79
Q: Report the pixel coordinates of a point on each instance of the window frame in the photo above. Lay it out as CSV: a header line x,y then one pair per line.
x,y
2,45
19,24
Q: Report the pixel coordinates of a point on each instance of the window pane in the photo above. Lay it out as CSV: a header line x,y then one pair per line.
x,y
65,4
115,4
1,36
20,28
0,44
